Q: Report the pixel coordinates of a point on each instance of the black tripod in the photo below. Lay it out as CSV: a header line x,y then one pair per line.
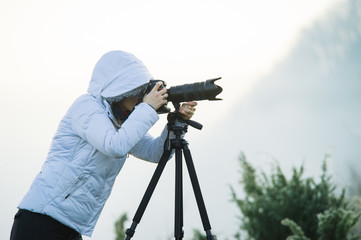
x,y
174,141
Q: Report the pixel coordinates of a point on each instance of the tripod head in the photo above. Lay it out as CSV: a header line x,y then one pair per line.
x,y
176,116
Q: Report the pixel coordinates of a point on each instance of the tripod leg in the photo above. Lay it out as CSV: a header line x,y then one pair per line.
x,y
148,193
197,192
178,214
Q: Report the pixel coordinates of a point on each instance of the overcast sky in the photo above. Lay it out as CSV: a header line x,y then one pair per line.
x,y
290,73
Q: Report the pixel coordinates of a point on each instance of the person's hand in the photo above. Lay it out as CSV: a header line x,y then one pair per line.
x,y
187,110
156,98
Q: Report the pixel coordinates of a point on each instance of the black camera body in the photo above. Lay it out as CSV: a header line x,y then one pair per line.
x,y
198,91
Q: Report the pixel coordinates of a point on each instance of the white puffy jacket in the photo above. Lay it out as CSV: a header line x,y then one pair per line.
x,y
88,149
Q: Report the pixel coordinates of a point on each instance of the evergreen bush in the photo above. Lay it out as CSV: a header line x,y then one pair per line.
x,y
297,208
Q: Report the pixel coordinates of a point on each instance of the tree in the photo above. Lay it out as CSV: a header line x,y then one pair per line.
x,y
354,194
309,210
119,227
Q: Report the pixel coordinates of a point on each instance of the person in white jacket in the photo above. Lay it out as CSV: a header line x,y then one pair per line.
x,y
89,149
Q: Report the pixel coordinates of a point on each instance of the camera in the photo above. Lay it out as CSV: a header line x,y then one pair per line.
x,y
198,91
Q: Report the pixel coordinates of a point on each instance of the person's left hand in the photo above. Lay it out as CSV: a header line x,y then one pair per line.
x,y
187,110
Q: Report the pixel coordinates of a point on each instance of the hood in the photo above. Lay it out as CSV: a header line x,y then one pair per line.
x,y
117,74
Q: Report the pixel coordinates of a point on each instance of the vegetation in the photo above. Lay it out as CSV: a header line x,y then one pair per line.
x,y
197,235
119,227
296,208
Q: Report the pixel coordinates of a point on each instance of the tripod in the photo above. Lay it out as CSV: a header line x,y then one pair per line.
x,y
174,141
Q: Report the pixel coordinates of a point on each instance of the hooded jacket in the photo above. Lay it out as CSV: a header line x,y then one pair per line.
x,y
90,147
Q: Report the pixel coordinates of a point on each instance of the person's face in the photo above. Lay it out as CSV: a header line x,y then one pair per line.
x,y
128,104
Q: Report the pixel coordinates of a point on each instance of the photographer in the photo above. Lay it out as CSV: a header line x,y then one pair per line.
x,y
89,149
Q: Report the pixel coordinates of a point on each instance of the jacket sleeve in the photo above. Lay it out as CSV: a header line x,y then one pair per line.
x,y
150,148
90,121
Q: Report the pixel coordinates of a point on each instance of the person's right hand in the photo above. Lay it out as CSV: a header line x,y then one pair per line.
x,y
156,98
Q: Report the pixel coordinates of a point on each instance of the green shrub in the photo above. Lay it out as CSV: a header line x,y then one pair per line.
x,y
310,210
119,227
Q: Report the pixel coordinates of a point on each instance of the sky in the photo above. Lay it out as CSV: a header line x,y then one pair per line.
x,y
290,74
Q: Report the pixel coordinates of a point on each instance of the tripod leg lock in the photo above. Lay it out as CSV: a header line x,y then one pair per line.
x,y
130,231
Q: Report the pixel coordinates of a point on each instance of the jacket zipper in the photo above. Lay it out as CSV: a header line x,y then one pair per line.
x,y
76,185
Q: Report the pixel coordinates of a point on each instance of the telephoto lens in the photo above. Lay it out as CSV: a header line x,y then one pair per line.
x,y
195,91
198,91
